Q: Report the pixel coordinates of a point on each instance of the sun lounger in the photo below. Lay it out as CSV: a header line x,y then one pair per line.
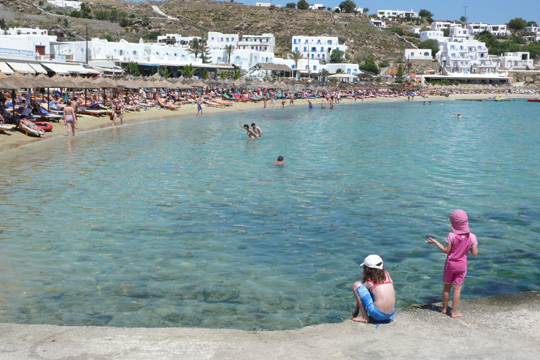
x,y
83,110
166,106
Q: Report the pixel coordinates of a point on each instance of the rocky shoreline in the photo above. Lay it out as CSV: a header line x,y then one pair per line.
x,y
497,327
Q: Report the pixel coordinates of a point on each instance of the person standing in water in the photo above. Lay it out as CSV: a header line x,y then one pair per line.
x,y
458,244
69,119
250,132
257,130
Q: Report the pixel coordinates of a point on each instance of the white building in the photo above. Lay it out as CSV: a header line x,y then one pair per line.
x,y
442,25
217,40
100,50
381,24
463,55
417,54
317,7
516,60
477,28
66,3
432,35
24,43
317,47
535,33
176,39
264,42
395,14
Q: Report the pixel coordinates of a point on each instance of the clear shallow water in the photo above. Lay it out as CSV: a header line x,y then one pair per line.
x,y
184,222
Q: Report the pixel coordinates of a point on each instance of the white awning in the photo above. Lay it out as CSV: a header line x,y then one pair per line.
x,y
39,69
5,69
59,69
102,69
22,68
79,69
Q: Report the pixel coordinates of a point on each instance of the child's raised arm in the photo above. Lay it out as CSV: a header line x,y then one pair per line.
x,y
445,249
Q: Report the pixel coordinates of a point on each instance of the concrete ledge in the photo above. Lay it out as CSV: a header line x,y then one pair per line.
x,y
499,327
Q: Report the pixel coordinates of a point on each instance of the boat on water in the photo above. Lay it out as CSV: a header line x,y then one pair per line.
x,y
498,98
533,100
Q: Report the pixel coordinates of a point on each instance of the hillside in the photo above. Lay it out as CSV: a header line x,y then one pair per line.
x,y
133,20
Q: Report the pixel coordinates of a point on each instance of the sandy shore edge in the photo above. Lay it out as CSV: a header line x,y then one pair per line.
x,y
498,327
12,140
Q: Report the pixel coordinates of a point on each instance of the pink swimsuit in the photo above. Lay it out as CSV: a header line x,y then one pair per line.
x,y
455,267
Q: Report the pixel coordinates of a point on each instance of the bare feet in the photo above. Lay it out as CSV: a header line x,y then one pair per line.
x,y
360,319
456,314
355,313
443,310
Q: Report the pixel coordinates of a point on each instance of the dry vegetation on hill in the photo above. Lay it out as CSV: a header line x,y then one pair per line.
x,y
197,17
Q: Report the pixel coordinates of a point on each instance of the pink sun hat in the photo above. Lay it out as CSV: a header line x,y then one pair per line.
x,y
460,222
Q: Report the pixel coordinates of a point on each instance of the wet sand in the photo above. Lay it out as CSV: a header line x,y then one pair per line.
x,y
500,327
15,139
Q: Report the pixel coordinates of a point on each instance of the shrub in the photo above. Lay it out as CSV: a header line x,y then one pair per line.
x,y
397,30
384,64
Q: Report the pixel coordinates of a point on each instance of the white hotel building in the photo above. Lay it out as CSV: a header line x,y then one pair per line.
x,y
317,47
463,55
395,14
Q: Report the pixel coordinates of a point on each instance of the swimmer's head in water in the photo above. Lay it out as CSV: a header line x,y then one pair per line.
x,y
246,126
253,124
280,158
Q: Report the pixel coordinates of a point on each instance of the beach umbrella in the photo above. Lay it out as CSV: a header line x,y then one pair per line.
x,y
198,84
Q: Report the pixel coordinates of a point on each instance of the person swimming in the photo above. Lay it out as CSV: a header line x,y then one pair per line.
x,y
279,161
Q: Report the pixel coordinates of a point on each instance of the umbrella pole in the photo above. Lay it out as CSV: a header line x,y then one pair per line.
x,y
13,105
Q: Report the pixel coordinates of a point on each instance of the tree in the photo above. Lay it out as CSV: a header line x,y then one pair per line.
x,y
302,5
205,54
222,75
370,66
425,14
365,11
296,56
532,23
290,6
463,19
384,64
336,56
165,73
196,47
430,44
399,74
347,6
229,49
324,74
132,68
340,71
189,70
237,74
517,24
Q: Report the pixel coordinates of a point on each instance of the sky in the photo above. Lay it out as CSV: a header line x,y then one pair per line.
x,y
488,11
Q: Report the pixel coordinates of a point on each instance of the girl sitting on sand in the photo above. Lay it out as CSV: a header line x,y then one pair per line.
x,y
375,295
458,244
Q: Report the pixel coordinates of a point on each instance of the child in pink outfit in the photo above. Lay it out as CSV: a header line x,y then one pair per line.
x,y
458,244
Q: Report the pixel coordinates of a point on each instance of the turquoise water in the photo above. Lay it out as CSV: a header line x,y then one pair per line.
x,y
185,222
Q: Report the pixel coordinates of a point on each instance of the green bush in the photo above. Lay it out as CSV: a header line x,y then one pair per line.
x,y
384,64
397,30
152,35
370,66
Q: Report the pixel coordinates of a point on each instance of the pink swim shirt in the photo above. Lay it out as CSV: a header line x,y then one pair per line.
x,y
461,239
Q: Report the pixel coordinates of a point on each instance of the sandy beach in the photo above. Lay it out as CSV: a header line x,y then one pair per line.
x,y
15,139
500,327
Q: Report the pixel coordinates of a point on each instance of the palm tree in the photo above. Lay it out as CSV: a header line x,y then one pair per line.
x,y
229,49
340,71
196,47
296,56
223,75
324,74
166,73
237,74
189,70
